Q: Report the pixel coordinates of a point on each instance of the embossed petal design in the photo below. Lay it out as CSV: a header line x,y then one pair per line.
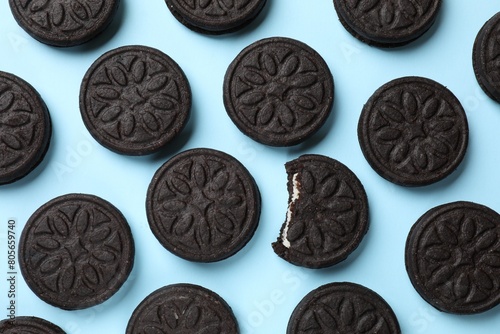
x,y
389,15
135,98
191,317
16,124
62,15
343,308
216,197
214,8
492,56
335,205
417,132
277,91
462,257
76,254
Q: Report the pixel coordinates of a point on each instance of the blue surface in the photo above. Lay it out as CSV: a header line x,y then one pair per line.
x,y
261,288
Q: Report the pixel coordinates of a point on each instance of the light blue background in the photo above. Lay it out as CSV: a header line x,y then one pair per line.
x,y
261,288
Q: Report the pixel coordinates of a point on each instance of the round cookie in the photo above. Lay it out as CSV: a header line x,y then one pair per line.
x,y
64,23
134,100
327,213
343,308
278,91
76,251
387,23
203,205
452,257
25,128
215,17
29,325
485,57
183,308
413,131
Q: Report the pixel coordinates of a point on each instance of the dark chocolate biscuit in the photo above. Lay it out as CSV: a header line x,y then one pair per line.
x,y
76,251
413,131
29,325
485,57
327,213
134,100
387,23
453,257
343,308
64,23
203,205
215,16
183,308
278,91
25,128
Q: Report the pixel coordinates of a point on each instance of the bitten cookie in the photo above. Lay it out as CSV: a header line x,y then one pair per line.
x,y
134,100
203,205
485,57
327,213
64,23
453,257
343,308
183,308
215,17
76,251
413,131
25,128
278,91
387,23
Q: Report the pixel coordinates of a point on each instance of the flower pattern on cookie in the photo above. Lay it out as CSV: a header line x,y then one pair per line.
x,y
204,205
413,131
390,15
278,91
457,257
77,250
135,96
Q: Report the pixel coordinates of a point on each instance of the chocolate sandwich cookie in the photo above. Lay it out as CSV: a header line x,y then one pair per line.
x,y
278,91
28,325
64,23
203,205
387,23
183,308
452,257
134,100
327,213
413,131
485,57
25,128
343,308
76,251
215,17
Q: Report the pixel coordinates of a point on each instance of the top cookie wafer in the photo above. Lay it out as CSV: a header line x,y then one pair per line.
x,y
343,308
135,99
278,91
64,23
215,16
485,57
25,128
453,257
183,308
387,23
413,131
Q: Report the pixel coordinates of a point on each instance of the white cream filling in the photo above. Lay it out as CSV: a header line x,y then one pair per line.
x,y
295,197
